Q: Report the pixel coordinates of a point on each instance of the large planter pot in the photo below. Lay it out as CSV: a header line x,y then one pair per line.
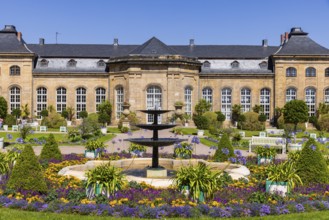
x,y
277,187
5,127
294,147
91,154
186,124
104,130
1,143
186,191
264,160
200,133
69,123
91,192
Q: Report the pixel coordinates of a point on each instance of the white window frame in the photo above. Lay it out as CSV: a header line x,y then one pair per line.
x,y
100,96
153,101
81,101
207,94
291,94
326,96
188,100
15,98
41,100
265,101
245,100
61,99
310,99
226,102
119,99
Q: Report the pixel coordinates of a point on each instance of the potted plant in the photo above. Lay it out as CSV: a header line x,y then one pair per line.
x,y
183,150
291,142
282,178
137,150
94,149
104,180
186,118
265,154
70,114
103,118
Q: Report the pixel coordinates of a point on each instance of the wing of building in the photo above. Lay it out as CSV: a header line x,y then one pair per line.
x,y
156,74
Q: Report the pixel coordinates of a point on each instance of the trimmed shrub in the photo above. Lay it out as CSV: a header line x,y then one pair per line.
x,y
251,122
290,126
311,165
201,122
3,107
27,173
224,150
324,122
50,150
10,120
53,120
211,116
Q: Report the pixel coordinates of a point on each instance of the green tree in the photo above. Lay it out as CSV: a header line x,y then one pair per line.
x,y
224,150
106,108
50,150
83,114
236,112
16,113
220,116
27,173
3,107
103,118
202,107
295,111
44,113
25,111
311,165
257,108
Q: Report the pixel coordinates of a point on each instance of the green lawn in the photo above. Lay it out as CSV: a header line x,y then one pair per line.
x,y
12,214
113,130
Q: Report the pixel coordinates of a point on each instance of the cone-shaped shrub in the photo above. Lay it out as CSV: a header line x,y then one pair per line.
x,y
50,150
27,173
311,165
225,149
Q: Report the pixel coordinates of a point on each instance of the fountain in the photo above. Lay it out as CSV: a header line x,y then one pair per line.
x,y
155,171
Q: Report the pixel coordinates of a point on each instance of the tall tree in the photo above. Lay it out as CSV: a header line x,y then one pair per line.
x,y
3,107
295,111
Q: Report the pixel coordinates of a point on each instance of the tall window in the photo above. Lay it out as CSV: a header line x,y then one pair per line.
x,y
188,100
310,100
326,96
291,94
119,101
153,101
291,72
245,100
100,96
81,100
61,99
326,72
15,98
265,101
15,70
226,102
207,94
310,72
41,100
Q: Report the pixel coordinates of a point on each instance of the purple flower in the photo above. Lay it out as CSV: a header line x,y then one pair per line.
x,y
9,136
213,147
195,140
225,151
20,140
129,133
265,210
300,208
232,159
237,153
313,147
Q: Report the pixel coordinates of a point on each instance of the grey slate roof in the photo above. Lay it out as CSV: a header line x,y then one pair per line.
x,y
153,47
10,44
300,44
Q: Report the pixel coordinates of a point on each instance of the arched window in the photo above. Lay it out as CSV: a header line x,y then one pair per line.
x,y
265,101
291,94
81,100
291,72
263,65
60,99
245,97
72,63
310,95
15,70
235,64
44,63
153,101
100,96
206,64
188,100
326,72
101,63
41,100
15,98
226,102
310,72
207,94
119,97
326,96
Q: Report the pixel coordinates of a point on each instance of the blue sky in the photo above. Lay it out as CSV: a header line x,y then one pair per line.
x,y
243,22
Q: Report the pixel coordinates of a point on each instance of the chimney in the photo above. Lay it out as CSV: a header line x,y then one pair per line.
x,y
286,37
19,36
191,42
282,39
265,43
41,41
115,42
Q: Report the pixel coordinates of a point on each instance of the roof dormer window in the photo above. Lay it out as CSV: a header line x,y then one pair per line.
x,y
206,64
263,65
101,63
235,64
72,63
44,63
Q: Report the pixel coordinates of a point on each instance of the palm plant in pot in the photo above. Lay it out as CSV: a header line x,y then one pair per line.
x,y
282,178
104,180
70,114
137,150
94,149
265,154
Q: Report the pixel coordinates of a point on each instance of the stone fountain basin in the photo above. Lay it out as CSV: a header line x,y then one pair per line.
x,y
236,171
160,142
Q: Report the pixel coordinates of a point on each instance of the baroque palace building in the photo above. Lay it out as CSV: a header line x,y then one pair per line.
x,y
156,74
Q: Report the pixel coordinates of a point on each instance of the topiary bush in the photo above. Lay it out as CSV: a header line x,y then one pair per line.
x,y
251,122
211,116
10,120
311,165
324,122
289,126
201,122
53,120
27,173
224,150
50,150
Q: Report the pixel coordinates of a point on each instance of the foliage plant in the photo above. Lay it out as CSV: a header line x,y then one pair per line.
x,y
83,114
311,165
186,117
220,116
224,150
89,127
284,172
93,145
74,135
202,106
16,113
136,148
44,113
289,126
266,151
53,120
105,109
108,178
50,150
27,173
295,111
324,122
251,122
70,113
4,166
201,121
236,112
25,111
199,179
25,131
183,150
3,107
10,120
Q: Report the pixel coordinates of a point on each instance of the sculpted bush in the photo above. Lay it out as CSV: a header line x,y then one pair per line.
x,y
251,122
